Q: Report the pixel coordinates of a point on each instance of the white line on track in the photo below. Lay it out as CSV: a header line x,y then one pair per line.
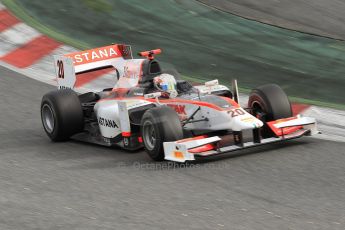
x,y
331,123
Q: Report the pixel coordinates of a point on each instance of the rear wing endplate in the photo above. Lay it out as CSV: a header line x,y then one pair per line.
x,y
69,65
65,72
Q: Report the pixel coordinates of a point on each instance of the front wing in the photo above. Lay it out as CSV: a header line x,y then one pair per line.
x,y
202,146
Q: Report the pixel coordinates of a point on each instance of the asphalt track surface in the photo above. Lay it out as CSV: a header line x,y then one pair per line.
x,y
73,185
320,17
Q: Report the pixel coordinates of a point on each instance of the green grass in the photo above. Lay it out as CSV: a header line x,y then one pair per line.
x,y
99,5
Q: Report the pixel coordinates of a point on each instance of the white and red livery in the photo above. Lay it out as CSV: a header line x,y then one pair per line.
x,y
156,110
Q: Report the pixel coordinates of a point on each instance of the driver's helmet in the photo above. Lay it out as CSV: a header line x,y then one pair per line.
x,y
166,83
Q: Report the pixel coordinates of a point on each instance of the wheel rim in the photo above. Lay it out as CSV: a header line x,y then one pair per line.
x,y
48,118
258,111
149,135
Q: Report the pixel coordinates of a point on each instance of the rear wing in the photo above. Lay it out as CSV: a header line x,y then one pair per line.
x,y
69,65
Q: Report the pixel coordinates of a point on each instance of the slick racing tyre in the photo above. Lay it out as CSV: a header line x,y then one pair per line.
x,y
159,125
269,102
61,114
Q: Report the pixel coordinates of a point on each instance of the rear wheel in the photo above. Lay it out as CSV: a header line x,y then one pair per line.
x,y
269,102
61,114
159,125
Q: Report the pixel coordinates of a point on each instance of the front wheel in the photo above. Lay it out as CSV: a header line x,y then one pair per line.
x,y
268,103
159,125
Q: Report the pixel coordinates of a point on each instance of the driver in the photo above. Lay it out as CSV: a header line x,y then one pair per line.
x,y
166,84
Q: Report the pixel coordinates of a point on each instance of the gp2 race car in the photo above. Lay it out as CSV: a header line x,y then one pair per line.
x,y
153,109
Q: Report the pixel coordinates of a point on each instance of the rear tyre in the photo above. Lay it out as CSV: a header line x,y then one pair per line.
x,y
269,102
61,114
159,125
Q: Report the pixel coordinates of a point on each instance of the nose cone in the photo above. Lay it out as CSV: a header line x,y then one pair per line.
x,y
246,121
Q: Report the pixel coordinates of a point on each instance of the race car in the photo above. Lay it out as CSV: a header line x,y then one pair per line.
x,y
157,110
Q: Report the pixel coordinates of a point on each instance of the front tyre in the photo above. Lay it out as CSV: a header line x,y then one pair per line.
x,y
61,114
159,125
268,103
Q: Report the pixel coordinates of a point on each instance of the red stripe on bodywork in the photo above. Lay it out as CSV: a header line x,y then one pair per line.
x,y
203,148
85,78
285,130
7,20
126,134
185,101
199,149
169,101
230,101
31,52
299,108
